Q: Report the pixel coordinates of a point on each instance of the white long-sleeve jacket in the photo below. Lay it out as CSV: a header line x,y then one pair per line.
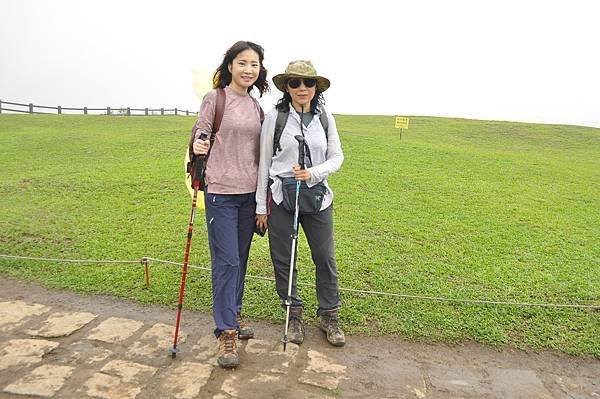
x,y
326,155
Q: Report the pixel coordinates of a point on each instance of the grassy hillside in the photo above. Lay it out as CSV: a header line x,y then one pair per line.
x,y
457,208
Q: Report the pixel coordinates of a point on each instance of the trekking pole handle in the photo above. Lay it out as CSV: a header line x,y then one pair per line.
x,y
203,136
301,150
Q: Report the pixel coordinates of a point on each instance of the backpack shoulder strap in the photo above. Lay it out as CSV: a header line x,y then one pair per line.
x,y
260,110
219,111
282,117
324,123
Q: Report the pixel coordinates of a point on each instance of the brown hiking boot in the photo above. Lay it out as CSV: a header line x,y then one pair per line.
x,y
244,330
330,325
296,328
228,356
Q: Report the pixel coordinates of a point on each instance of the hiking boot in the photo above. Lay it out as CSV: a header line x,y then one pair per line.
x,y
330,325
228,355
296,328
244,330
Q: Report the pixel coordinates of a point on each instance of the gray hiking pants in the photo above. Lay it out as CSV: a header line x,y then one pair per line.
x,y
319,234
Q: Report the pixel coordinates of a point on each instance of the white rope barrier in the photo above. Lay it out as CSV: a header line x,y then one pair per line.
x,y
388,294
69,260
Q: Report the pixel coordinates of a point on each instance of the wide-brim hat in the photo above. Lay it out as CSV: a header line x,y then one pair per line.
x,y
300,69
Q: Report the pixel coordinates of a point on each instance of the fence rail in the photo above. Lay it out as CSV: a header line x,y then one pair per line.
x,y
124,111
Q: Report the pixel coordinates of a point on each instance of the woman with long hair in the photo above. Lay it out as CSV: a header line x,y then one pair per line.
x,y
230,185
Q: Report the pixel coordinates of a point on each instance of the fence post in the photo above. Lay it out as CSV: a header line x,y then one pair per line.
x,y
146,111
0,106
128,111
107,110
162,111
59,110
30,108
187,112
175,111
85,110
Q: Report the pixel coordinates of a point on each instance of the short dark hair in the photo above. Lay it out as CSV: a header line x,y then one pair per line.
x,y
222,76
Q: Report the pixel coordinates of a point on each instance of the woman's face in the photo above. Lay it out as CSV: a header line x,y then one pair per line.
x,y
302,94
244,70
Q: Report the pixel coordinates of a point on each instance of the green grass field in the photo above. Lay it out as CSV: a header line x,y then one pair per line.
x,y
457,208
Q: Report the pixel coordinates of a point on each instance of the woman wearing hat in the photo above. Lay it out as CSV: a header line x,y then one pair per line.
x,y
229,192
303,102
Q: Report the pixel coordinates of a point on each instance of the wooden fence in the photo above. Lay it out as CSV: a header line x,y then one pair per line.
x,y
34,109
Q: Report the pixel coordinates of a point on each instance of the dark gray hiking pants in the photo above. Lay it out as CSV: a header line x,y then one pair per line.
x,y
319,234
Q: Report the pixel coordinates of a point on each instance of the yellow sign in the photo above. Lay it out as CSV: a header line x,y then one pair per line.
x,y
401,122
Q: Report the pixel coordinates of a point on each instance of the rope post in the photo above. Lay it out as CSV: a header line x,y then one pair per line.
x,y
85,110
59,110
146,111
107,110
0,106
128,111
162,111
31,108
175,111
144,262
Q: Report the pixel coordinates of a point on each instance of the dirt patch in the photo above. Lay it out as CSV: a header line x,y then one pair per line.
x,y
383,367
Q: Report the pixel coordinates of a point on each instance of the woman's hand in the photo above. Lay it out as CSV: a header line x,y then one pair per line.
x,y
261,222
201,147
301,174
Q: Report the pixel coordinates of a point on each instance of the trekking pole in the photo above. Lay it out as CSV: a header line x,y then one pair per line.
x,y
288,300
198,165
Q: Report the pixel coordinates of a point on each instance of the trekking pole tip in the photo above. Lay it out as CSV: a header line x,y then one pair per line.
x,y
173,351
285,341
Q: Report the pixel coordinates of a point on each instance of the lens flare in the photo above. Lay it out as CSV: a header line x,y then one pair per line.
x,y
201,81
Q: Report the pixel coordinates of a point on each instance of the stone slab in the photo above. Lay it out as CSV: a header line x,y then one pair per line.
x,y
119,379
155,341
517,384
62,324
43,381
579,387
14,313
206,348
459,380
84,352
186,380
322,371
115,329
19,352
273,351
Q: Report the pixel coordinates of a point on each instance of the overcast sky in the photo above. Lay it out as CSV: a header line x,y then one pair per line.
x,y
534,61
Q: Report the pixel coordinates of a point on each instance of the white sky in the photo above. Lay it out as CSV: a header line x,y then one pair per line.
x,y
535,61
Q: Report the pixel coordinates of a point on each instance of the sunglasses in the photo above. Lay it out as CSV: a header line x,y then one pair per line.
x,y
294,83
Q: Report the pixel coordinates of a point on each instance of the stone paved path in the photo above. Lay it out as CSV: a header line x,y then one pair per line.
x,y
56,344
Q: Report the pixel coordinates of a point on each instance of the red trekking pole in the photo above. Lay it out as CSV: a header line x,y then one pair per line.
x,y
198,169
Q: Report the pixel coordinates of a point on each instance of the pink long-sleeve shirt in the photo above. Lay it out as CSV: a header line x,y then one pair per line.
x,y
233,162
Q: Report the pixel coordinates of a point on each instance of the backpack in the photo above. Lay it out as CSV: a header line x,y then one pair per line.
x,y
196,166
282,117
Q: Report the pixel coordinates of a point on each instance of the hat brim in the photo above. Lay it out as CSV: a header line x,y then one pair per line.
x,y
280,80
